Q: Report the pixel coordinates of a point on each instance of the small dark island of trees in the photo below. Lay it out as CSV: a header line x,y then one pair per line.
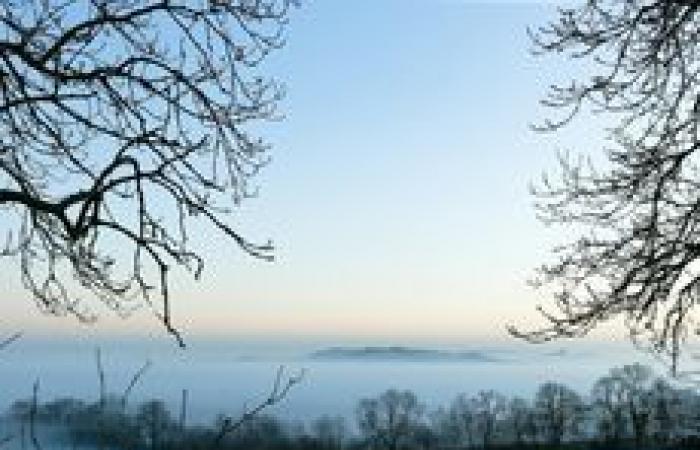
x,y
628,408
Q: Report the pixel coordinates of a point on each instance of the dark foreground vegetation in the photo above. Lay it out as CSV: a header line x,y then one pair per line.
x,y
627,408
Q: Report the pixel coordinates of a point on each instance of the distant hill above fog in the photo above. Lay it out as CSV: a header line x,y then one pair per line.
x,y
399,353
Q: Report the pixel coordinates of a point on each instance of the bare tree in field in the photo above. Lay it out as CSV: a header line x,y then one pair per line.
x,y
391,420
449,426
156,422
609,404
521,421
638,256
489,409
666,403
123,126
623,397
636,381
461,417
331,431
559,412
483,420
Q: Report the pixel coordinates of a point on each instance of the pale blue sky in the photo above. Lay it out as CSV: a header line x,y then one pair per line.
x,y
397,196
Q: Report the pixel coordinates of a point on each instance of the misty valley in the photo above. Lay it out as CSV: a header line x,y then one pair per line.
x,y
350,225
351,397
627,408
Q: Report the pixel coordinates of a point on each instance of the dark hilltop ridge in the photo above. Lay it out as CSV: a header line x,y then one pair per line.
x,y
395,353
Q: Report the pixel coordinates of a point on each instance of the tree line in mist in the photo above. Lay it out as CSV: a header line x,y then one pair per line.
x,y
627,408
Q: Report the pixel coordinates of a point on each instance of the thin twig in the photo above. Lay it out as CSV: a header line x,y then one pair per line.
x,y
134,380
279,391
100,376
32,417
10,340
183,410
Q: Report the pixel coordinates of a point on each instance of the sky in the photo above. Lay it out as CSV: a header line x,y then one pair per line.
x,y
397,197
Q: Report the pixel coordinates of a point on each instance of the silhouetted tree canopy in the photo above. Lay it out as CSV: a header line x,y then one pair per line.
x,y
630,408
640,209
122,125
391,420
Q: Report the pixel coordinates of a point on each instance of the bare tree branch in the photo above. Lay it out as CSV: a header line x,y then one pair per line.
x,y
280,388
32,416
639,254
123,125
10,340
134,381
100,377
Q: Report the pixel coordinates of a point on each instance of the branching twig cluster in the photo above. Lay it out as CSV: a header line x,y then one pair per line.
x,y
640,256
281,386
110,410
122,124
